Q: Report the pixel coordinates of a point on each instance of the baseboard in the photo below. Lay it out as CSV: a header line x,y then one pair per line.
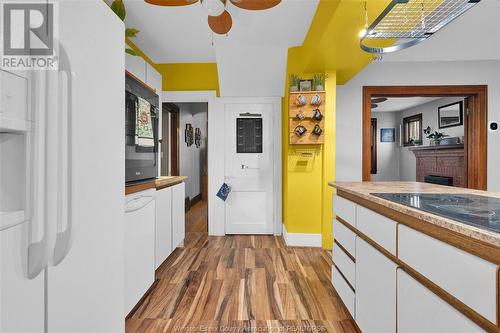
x,y
305,240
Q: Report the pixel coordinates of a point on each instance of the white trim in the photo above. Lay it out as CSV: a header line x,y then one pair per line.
x,y
210,97
308,240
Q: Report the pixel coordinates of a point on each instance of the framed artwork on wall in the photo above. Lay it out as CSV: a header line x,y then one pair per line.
x,y
387,135
305,85
189,135
451,115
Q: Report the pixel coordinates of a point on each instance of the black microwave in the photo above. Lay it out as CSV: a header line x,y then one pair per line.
x,y
141,161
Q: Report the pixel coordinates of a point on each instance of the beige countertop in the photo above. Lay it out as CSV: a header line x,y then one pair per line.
x,y
166,181
362,190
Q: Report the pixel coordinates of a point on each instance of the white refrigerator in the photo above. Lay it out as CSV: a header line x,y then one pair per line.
x,y
62,182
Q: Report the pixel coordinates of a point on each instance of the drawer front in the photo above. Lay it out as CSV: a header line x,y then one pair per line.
x,y
420,310
13,95
470,279
377,227
344,264
344,291
345,237
345,209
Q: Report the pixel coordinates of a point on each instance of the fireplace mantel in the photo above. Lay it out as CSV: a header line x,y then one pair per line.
x,y
441,160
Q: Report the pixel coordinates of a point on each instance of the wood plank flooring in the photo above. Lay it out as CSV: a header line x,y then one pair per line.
x,y
241,284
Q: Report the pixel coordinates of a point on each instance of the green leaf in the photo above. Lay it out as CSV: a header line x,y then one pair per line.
x,y
118,7
130,51
131,32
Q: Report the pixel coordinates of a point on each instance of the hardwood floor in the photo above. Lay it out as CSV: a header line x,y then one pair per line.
x,y
197,217
241,284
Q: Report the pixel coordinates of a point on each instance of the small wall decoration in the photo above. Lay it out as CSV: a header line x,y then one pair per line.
x,y
188,135
306,118
305,85
387,135
451,115
197,137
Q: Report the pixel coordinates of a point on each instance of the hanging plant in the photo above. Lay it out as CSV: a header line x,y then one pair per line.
x,y
118,7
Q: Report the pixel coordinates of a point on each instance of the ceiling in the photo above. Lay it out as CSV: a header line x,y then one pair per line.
x,y
395,104
182,35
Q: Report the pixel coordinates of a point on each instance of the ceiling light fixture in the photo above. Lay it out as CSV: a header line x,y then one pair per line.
x,y
411,22
219,19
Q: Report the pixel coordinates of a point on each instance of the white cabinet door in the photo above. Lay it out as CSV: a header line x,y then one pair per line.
x,y
163,225
153,79
136,66
140,215
21,299
420,310
178,214
375,290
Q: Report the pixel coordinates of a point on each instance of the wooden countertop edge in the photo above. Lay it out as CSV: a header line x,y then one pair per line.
x,y
471,245
130,189
437,290
161,184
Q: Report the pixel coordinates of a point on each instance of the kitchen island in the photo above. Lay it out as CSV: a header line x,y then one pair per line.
x,y
399,268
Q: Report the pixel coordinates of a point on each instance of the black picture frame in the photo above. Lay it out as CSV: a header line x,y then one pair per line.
x,y
461,115
304,84
387,135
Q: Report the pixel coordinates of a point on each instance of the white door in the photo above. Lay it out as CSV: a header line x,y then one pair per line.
x,y
249,168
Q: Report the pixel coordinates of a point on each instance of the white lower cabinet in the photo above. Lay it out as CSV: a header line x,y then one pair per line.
x,y
375,290
163,225
420,310
344,290
140,213
178,215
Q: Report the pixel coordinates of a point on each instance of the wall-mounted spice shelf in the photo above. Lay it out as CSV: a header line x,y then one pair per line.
x,y
308,122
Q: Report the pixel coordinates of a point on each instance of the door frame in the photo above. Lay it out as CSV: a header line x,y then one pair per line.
x,y
476,123
173,136
216,167
201,96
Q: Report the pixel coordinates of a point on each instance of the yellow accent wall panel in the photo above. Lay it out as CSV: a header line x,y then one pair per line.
x,y
189,76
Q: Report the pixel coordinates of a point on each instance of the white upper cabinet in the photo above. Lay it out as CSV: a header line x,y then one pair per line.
x,y
136,66
375,290
420,310
153,79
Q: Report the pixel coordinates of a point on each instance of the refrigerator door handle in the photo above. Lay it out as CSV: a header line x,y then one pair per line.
x,y
64,238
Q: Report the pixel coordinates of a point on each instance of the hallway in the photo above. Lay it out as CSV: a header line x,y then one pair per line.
x,y
240,283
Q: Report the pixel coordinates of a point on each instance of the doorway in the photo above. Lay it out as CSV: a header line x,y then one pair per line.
x,y
426,133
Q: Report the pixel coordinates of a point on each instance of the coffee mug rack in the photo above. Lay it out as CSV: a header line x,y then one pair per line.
x,y
307,120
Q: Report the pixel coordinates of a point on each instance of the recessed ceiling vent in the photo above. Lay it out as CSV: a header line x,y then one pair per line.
x,y
405,23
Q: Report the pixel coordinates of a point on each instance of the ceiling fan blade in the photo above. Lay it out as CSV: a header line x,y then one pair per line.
x,y
255,4
220,24
379,99
374,106
171,3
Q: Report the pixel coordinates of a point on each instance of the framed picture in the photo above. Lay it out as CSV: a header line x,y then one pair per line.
x,y
188,135
451,115
305,85
387,135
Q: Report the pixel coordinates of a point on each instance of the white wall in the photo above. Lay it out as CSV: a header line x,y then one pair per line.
x,y
387,152
429,111
349,105
191,158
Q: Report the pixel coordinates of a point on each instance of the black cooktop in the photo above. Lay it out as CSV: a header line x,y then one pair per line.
x,y
475,210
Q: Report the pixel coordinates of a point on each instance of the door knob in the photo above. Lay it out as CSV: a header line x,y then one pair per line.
x,y
243,166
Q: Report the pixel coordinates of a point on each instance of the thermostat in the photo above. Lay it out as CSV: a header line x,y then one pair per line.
x,y
493,126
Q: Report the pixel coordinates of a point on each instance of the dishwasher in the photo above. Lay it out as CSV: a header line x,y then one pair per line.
x,y
140,215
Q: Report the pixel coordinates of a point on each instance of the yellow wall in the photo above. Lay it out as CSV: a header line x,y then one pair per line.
x,y
189,76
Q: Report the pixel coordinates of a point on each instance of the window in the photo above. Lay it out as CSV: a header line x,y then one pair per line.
x,y
412,130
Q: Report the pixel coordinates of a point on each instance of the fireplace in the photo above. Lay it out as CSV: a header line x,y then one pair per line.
x,y
439,180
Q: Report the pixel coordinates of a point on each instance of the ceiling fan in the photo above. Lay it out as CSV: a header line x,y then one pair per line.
x,y
377,100
219,19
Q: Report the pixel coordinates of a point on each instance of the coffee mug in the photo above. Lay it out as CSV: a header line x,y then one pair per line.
x,y
300,130
301,115
317,115
316,100
301,100
317,130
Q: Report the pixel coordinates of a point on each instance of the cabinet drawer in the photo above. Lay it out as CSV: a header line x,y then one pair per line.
x,y
345,237
345,292
469,278
420,310
377,227
345,209
344,264
13,95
